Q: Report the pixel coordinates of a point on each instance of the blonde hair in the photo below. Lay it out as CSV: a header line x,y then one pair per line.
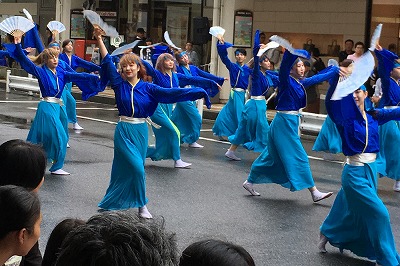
x,y
160,62
45,55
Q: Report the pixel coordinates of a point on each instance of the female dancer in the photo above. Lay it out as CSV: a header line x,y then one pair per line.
x,y
185,115
168,136
389,133
253,126
358,220
74,62
48,127
284,160
136,101
229,117
328,139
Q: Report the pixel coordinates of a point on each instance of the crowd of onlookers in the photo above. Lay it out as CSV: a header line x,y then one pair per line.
x,y
107,238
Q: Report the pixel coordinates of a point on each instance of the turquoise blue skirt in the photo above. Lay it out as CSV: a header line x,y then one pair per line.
x,y
229,117
188,120
388,163
69,102
328,139
50,129
358,220
127,188
167,108
253,127
284,161
167,138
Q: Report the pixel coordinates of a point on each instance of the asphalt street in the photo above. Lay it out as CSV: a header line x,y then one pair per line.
x,y
207,201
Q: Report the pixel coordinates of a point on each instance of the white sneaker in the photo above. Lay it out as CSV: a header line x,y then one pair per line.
x,y
68,145
249,187
320,196
60,172
322,243
396,186
77,126
231,155
195,145
144,213
181,164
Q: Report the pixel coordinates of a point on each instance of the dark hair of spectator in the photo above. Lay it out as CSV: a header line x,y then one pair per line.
x,y
349,40
22,164
359,43
19,208
56,238
119,239
212,252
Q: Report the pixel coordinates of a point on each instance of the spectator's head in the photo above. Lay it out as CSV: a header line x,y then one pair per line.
x,y
56,238
20,221
165,62
67,46
307,66
315,52
149,41
298,69
392,47
182,57
359,48
348,45
119,239
22,164
131,66
212,252
189,46
141,33
240,55
263,38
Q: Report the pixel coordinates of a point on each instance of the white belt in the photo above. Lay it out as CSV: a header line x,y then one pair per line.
x,y
53,100
391,107
238,89
132,120
258,97
289,112
360,159
135,120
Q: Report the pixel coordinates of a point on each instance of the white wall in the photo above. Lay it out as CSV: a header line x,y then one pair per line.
x,y
344,17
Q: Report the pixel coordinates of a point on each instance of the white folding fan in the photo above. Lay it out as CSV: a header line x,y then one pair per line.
x,y
27,14
96,21
168,40
125,47
16,26
375,37
286,44
217,31
55,25
270,45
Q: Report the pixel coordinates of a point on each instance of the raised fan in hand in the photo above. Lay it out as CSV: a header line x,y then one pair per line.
x,y
96,21
375,37
217,31
27,14
362,69
333,62
16,26
125,47
270,45
56,26
168,40
286,44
